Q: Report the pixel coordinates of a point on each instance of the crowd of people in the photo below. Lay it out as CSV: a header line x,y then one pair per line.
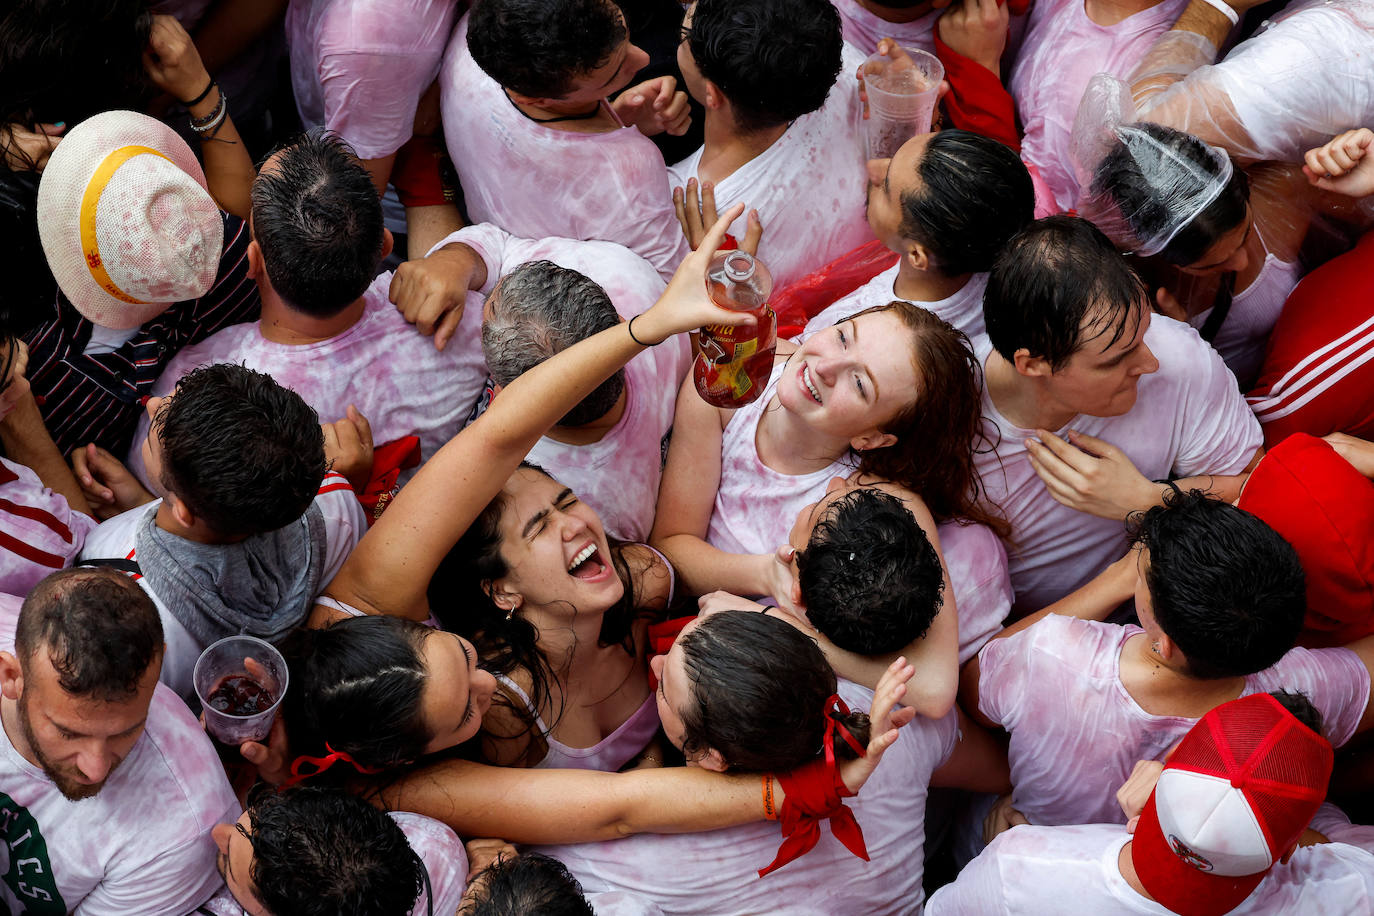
x,y
1037,578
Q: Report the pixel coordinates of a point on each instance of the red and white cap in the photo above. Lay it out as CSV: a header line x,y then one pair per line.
x,y
126,222
1232,800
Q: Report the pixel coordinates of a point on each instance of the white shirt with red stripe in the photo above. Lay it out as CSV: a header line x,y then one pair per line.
x,y
344,523
39,532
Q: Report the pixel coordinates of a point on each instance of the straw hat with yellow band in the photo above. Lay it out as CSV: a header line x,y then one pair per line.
x,y
127,224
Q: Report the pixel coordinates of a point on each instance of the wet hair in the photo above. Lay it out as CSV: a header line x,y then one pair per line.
x,y
775,60
870,578
1052,278
100,629
759,692
940,427
525,884
459,593
1148,192
1224,586
318,221
357,684
538,48
974,195
323,852
1300,707
539,309
203,428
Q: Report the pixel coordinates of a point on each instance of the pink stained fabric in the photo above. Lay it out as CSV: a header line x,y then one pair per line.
x,y
864,29
359,67
609,754
385,367
619,475
1244,336
140,845
756,507
40,533
1076,733
678,873
810,187
1189,418
1062,50
537,182
963,309
1073,871
440,851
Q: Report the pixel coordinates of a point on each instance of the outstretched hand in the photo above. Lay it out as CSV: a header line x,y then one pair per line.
x,y
885,720
1344,165
685,305
695,214
172,61
977,29
431,292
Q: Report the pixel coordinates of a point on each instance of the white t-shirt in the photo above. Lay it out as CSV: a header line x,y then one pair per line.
x,y
1189,418
1074,871
344,524
385,367
718,871
963,309
1076,733
810,187
40,533
618,475
141,845
537,182
756,507
1063,49
864,29
439,849
359,67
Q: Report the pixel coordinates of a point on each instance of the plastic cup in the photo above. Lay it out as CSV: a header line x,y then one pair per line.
x,y
901,98
246,657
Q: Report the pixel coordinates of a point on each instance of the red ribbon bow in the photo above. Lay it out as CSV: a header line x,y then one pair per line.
x,y
319,764
813,794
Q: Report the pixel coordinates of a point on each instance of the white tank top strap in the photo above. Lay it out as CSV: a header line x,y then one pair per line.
x,y
519,692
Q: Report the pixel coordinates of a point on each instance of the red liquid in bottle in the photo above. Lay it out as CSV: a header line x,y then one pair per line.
x,y
240,695
732,364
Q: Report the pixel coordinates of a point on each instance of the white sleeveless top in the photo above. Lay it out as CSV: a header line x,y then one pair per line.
x,y
610,753
756,505
1244,335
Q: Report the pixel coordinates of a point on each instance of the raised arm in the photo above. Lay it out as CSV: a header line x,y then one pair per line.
x,y
584,806
389,572
174,65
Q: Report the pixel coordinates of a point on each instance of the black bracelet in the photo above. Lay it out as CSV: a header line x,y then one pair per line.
x,y
200,98
771,607
631,328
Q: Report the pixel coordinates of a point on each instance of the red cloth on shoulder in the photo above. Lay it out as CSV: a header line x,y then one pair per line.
x,y
799,302
1318,376
388,461
1321,505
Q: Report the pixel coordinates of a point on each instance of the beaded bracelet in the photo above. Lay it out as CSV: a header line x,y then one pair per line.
x,y
208,125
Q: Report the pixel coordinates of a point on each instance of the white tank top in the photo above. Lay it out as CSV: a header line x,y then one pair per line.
x,y
610,753
756,505
1244,335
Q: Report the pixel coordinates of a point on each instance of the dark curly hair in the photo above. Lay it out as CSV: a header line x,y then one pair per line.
x,y
759,694
539,47
870,578
243,453
775,60
1224,586
323,852
525,884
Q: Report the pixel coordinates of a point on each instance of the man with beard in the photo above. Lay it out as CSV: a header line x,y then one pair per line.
x,y
108,786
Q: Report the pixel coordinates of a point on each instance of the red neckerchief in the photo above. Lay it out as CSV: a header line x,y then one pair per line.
x,y
813,794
